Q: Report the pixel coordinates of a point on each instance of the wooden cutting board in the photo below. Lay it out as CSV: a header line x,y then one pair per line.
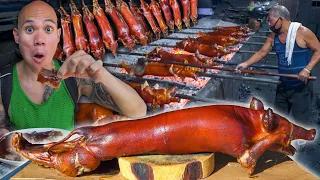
x,y
163,167
270,166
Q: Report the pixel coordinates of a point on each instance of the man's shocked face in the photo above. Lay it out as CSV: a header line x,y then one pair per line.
x,y
37,34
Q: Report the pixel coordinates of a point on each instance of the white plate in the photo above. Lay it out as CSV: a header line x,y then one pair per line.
x,y
58,138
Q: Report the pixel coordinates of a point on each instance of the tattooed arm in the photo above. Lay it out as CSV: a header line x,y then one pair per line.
x,y
125,105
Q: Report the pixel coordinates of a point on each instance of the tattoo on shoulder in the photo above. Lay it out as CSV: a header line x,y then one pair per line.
x,y
99,96
47,93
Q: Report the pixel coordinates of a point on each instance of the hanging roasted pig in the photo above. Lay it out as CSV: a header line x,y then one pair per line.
x,y
156,11
68,42
186,12
219,40
96,43
149,16
166,9
139,16
155,95
244,133
176,13
194,11
80,39
160,69
59,53
135,27
123,30
179,55
207,50
105,27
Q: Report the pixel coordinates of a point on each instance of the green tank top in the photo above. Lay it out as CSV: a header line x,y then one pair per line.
x,y
56,112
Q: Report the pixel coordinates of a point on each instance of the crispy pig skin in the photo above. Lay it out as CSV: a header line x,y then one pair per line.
x,y
49,77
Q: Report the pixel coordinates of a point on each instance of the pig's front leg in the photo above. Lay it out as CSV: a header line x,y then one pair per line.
x,y
250,157
287,150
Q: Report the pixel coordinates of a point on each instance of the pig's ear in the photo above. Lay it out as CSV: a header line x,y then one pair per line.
x,y
269,120
256,104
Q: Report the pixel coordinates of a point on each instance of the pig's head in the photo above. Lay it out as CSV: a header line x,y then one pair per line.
x,y
274,123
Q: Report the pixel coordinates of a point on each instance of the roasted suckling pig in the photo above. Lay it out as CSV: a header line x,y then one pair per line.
x,y
166,9
207,50
135,27
68,42
80,39
90,113
194,11
186,12
154,95
49,77
150,18
224,33
105,27
96,43
219,40
156,11
59,53
243,29
179,55
176,13
123,30
244,133
160,69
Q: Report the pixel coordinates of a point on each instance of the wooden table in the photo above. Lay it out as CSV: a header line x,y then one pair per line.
x,y
271,166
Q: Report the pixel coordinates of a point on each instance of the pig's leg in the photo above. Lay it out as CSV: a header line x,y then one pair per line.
x,y
250,157
287,150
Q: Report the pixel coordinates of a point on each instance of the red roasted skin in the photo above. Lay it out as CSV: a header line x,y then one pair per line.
x,y
96,43
67,37
160,69
155,96
156,10
80,39
105,27
89,113
122,28
176,13
243,29
186,12
149,16
135,27
179,55
204,49
166,9
219,40
59,53
194,11
139,16
238,34
244,133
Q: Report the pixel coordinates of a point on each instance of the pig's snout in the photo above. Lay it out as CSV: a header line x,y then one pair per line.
x,y
313,134
301,133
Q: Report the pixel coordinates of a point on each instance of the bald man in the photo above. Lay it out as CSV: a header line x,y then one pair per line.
x,y
34,104
292,95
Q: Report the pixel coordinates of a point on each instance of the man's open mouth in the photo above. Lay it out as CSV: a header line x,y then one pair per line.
x,y
38,56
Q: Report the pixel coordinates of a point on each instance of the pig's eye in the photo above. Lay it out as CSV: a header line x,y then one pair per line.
x,y
29,29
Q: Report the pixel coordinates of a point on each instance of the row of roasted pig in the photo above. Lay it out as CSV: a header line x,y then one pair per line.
x,y
131,23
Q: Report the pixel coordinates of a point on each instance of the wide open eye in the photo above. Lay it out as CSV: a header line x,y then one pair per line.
x,y
29,29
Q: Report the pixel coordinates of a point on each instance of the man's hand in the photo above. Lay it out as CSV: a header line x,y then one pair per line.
x,y
303,75
240,66
81,65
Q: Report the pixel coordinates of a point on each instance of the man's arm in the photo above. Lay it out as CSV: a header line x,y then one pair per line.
x,y
114,94
258,56
314,44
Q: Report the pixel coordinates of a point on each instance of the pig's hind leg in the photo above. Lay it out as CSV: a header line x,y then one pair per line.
x,y
250,156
